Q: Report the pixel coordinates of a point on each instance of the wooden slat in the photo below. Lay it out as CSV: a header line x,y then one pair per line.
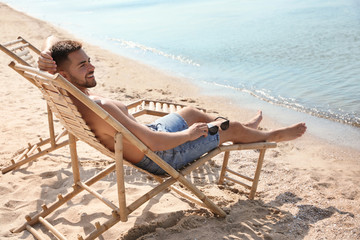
x,y
56,95
12,42
238,182
80,134
58,100
99,196
60,113
32,63
72,112
19,47
57,111
239,175
248,146
81,130
64,103
74,121
52,229
27,57
23,52
46,84
158,113
165,107
34,232
135,104
84,133
172,108
187,196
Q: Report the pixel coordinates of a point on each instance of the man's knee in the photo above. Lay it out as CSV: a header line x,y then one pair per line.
x,y
192,115
192,109
189,111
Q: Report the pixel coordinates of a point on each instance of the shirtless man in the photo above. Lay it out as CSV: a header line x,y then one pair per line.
x,y
179,138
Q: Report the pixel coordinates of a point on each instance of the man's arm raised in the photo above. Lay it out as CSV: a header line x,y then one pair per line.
x,y
45,61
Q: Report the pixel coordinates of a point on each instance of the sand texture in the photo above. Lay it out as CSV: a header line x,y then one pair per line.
x,y
308,189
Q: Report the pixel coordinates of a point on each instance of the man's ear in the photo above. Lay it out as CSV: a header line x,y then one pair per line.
x,y
65,74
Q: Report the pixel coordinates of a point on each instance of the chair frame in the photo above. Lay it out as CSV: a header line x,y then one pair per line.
x,y
21,51
121,211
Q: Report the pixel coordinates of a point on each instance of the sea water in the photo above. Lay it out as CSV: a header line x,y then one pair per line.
x,y
296,59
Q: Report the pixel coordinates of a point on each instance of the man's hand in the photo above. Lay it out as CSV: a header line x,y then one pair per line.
x,y
46,63
197,130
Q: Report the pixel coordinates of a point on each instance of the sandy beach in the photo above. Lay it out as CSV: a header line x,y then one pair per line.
x,y
308,189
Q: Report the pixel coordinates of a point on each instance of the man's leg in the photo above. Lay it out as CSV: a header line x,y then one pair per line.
x,y
239,133
245,133
193,115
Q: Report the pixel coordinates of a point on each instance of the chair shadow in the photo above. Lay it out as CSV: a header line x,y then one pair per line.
x,y
62,182
246,219
273,223
253,217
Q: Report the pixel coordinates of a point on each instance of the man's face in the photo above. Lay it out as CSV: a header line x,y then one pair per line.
x,y
80,71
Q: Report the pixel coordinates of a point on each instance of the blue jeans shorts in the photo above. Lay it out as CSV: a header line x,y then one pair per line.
x,y
183,154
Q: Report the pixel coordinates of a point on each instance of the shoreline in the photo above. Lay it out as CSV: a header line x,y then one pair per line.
x,y
323,129
312,184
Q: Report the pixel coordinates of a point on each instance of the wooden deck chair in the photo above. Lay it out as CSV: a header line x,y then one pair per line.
x,y
59,92
25,53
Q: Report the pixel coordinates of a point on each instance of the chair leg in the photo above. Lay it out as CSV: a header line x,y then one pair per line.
x,y
51,126
257,174
120,176
224,166
74,158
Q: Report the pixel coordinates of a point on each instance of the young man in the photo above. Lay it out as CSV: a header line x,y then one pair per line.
x,y
178,138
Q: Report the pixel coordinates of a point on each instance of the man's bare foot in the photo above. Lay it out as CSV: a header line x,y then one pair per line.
x,y
288,133
254,123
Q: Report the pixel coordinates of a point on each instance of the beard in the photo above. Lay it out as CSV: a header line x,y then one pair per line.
x,y
87,82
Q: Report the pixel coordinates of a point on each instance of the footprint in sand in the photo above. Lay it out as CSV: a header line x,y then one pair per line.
x,y
189,100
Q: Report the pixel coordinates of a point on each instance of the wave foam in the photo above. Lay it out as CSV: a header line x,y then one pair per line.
x,y
291,103
131,44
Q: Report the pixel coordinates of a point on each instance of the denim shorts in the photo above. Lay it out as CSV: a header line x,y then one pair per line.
x,y
183,154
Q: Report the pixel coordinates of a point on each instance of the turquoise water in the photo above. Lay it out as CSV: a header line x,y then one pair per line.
x,y
300,55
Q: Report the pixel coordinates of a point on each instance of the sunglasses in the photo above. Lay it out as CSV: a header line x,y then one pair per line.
x,y
213,129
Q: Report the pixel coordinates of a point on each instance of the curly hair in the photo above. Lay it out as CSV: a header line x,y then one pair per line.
x,y
61,50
